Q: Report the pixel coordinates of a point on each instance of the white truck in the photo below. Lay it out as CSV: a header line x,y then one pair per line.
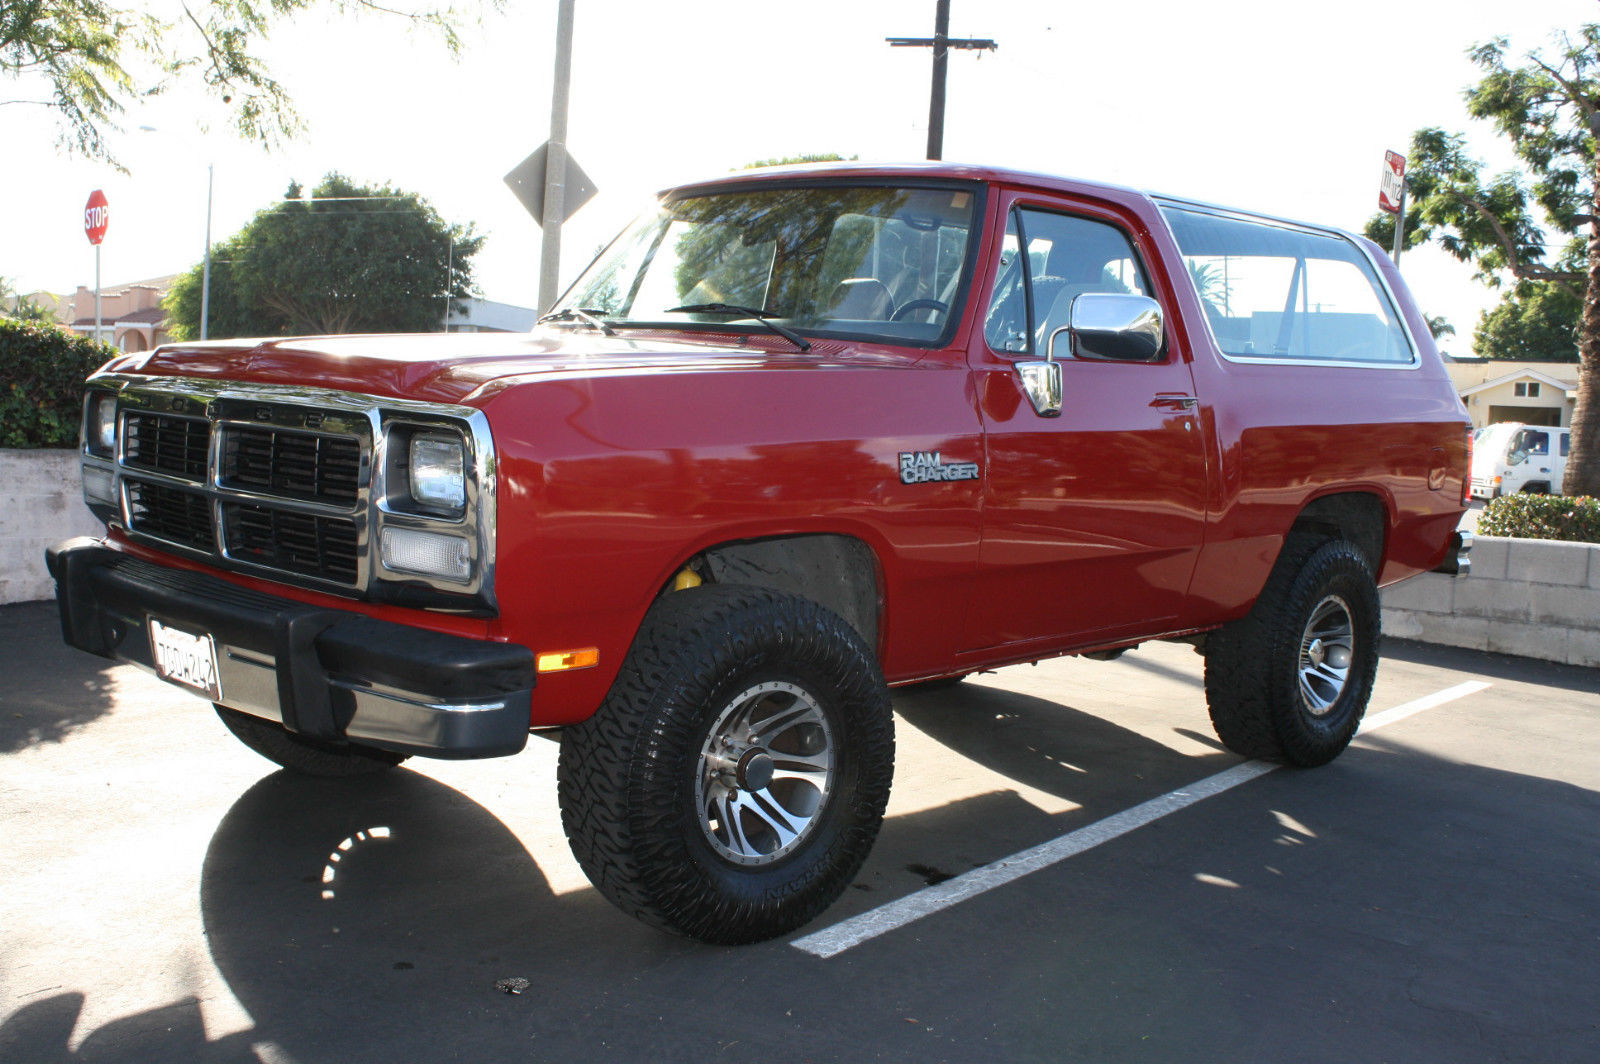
x,y
1509,457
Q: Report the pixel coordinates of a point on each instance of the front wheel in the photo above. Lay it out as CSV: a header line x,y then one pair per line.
x,y
736,775
1290,681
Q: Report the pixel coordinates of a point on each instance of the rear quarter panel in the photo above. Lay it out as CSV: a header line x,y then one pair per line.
x,y
1285,434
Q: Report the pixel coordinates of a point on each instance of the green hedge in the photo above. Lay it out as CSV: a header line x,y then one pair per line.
x,y
1576,520
42,368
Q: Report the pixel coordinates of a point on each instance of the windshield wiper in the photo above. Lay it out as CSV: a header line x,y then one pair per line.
x,y
749,312
576,314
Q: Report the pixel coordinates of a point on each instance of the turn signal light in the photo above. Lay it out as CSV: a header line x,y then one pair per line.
x,y
567,660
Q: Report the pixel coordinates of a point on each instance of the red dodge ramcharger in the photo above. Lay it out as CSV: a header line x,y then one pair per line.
x,y
794,438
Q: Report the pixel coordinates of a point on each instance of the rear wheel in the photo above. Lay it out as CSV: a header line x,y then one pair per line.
x,y
1290,681
735,777
297,753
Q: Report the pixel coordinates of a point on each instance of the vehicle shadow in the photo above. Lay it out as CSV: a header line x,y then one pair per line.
x,y
1578,678
1053,747
60,689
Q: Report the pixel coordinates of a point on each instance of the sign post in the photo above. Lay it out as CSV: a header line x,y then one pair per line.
x,y
96,218
1392,196
555,211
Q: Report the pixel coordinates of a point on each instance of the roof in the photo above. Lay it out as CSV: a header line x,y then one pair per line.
x,y
968,172
1523,374
147,316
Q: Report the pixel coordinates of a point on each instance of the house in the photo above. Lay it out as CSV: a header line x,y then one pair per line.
x,y
483,315
1536,393
131,315
59,308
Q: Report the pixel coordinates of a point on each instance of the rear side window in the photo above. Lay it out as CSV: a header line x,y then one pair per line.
x,y
1566,443
1278,292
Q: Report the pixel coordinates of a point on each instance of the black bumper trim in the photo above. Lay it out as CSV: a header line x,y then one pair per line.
x,y
451,696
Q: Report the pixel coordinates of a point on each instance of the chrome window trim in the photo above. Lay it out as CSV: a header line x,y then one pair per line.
x,y
368,418
1234,214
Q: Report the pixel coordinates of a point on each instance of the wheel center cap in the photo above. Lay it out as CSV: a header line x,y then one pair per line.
x,y
755,770
1316,652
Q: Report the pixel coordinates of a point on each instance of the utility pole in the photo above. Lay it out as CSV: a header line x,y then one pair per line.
x,y
941,43
555,199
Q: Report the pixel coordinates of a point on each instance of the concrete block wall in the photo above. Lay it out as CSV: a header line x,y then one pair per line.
x,y
41,502
1533,597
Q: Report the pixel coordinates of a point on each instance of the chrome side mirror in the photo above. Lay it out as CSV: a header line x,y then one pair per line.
x,y
1113,327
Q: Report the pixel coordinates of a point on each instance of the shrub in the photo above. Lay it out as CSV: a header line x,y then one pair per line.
x,y
42,368
1576,520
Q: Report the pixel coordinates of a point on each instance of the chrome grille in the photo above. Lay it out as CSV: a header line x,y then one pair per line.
x,y
260,486
305,544
296,465
164,443
171,514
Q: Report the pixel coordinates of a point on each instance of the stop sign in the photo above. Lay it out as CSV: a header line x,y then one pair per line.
x,y
96,216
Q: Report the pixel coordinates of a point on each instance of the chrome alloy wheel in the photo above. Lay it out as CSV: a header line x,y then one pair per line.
x,y
1326,649
764,773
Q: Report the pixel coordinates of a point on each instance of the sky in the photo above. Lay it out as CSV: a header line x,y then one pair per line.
x,y
1282,108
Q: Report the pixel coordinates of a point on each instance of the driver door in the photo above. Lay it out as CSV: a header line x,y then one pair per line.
x,y
1092,519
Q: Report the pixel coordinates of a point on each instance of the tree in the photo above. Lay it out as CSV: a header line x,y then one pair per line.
x,y
1535,322
89,58
350,258
1549,109
14,304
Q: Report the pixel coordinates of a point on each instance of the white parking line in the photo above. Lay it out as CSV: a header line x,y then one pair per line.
x,y
832,941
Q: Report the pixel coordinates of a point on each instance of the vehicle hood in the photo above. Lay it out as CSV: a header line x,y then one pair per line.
x,y
467,367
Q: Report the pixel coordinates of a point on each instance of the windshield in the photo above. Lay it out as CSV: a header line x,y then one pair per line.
x,y
875,262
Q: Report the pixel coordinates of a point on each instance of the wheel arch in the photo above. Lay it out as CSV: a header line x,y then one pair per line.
x,y
1359,517
837,571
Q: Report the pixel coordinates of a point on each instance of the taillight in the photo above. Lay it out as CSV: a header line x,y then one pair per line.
x,y
1466,479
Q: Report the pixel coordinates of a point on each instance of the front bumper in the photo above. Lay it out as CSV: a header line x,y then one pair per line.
x,y
324,673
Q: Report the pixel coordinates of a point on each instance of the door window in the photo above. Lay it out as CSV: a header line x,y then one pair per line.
x,y
1067,256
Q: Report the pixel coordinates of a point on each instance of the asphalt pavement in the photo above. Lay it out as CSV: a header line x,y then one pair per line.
x,y
168,896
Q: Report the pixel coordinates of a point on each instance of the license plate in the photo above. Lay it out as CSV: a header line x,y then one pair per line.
x,y
185,659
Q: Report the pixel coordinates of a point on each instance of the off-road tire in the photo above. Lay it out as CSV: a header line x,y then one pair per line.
x,y
1253,666
309,757
628,776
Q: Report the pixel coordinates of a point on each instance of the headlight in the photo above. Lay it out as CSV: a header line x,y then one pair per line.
x,y
438,471
101,432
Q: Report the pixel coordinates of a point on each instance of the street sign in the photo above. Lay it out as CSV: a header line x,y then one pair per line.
x,y
1394,179
527,182
96,216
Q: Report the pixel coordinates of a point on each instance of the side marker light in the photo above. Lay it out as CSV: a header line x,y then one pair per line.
x,y
568,660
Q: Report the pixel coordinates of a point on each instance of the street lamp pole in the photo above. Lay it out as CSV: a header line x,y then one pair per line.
x,y
205,277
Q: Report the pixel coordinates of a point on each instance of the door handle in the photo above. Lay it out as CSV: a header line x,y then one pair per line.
x,y
1174,400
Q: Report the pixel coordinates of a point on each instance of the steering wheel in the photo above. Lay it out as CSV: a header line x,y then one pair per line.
x,y
919,304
